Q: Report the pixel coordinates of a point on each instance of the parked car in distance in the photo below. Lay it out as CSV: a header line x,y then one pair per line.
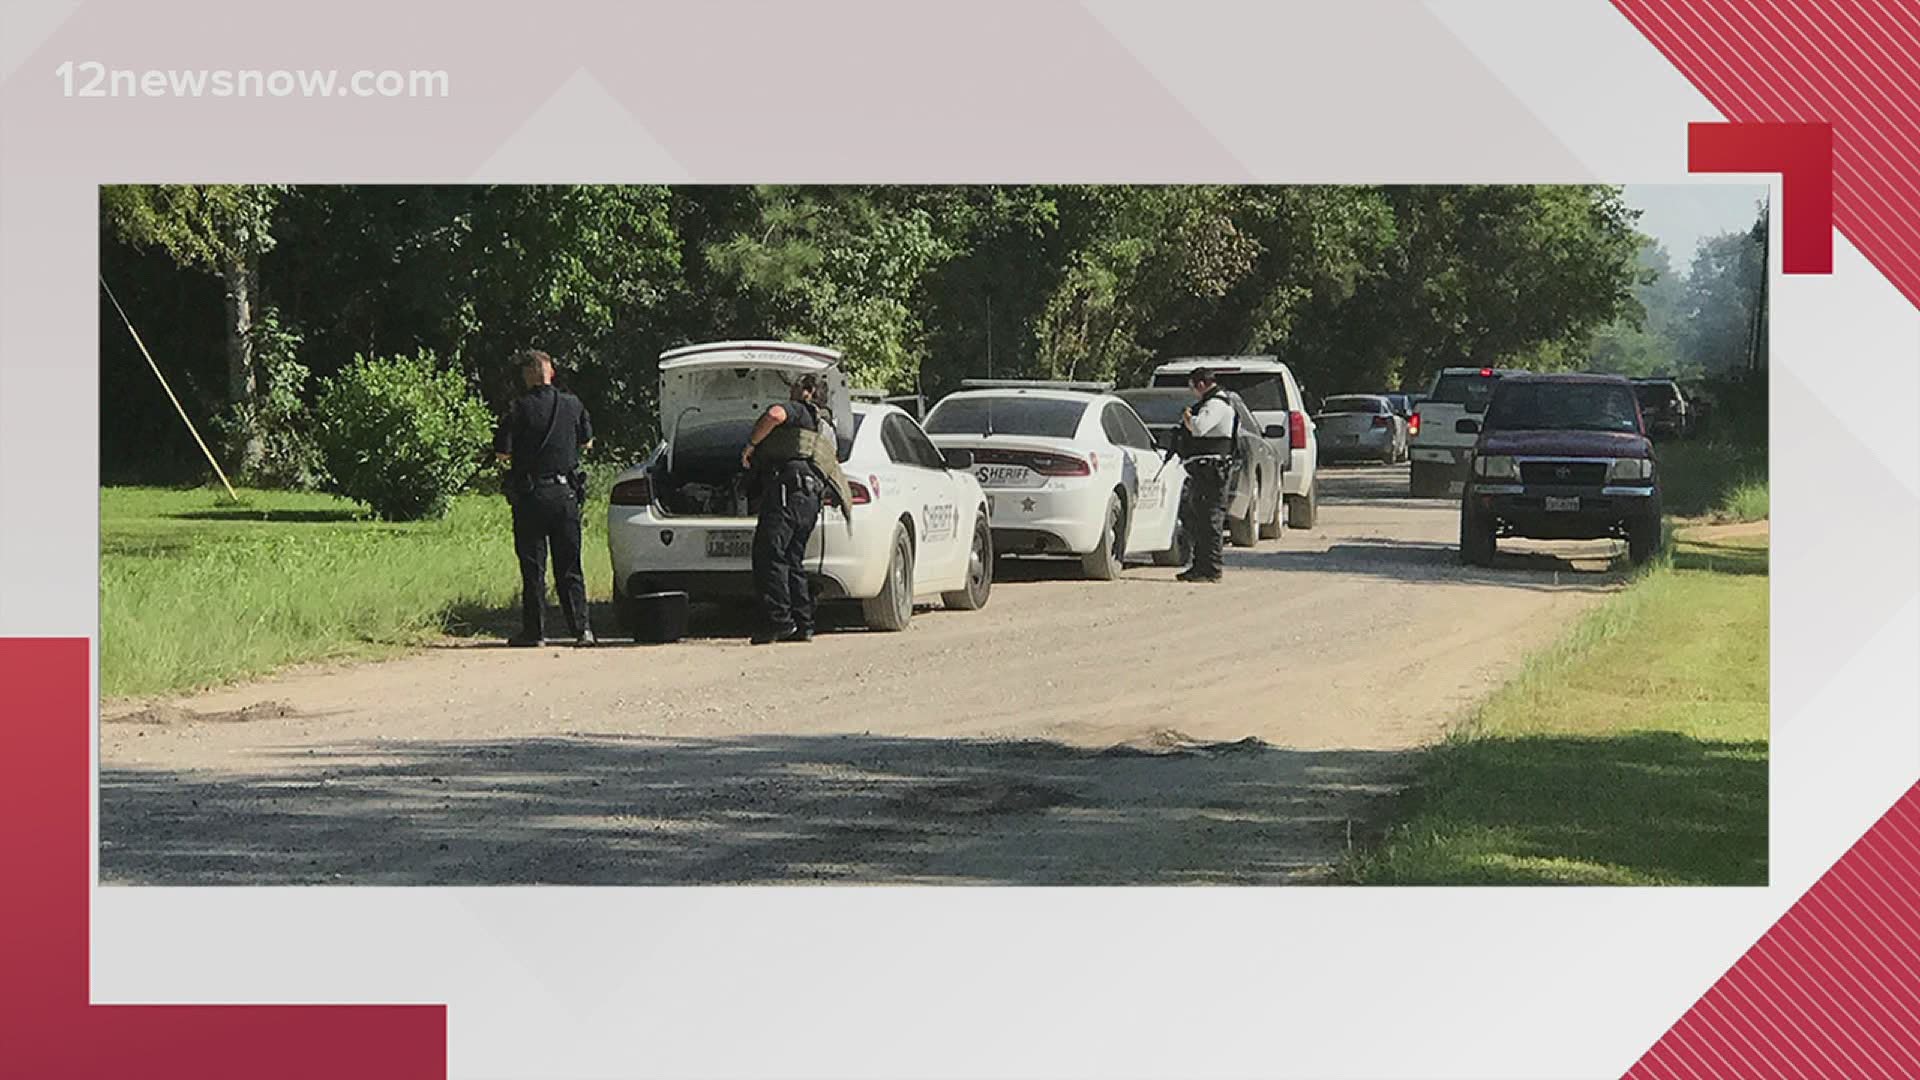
x,y
683,519
1561,457
1256,508
1068,468
1437,441
1279,403
1402,403
1667,411
1361,426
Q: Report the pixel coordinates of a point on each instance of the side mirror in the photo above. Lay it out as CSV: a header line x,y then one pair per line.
x,y
957,459
1468,426
1275,431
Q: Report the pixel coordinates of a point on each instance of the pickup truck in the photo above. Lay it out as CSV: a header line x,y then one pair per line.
x,y
1438,443
1561,457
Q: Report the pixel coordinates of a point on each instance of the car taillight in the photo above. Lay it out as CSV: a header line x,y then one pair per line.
x,y
1381,421
1296,430
1058,465
635,492
861,495
1486,373
1413,425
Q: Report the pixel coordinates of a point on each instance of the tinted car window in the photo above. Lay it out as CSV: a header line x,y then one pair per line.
x,y
1530,406
1007,414
1356,404
1158,406
907,446
1473,391
923,448
1111,426
1132,431
1656,394
1263,391
843,446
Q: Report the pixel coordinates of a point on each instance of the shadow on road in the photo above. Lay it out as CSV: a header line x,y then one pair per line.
x,y
642,810
1585,569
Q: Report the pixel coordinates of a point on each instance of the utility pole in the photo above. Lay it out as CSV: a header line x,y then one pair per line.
x,y
1757,323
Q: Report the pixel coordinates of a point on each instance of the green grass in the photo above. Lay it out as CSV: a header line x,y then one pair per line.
x,y
1721,480
195,590
1633,752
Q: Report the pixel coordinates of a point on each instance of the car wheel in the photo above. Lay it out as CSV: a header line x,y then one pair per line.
x,y
1245,532
1103,563
1643,540
623,614
893,608
1302,510
979,571
1477,544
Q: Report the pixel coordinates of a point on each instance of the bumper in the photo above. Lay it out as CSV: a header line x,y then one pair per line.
x,y
1047,520
1453,459
1592,513
1370,443
652,551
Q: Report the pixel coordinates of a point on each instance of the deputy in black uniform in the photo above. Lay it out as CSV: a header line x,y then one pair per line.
x,y
541,436
791,493
1208,444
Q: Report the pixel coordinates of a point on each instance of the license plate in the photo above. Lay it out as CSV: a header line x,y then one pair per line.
x,y
1571,502
1456,487
729,544
1001,475
1346,438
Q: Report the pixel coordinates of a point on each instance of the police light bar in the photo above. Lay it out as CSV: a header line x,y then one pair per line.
x,y
1036,384
870,394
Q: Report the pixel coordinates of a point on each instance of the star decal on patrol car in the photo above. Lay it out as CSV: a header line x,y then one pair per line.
x,y
1026,505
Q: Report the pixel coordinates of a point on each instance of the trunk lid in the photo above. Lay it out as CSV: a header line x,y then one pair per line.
x,y
728,384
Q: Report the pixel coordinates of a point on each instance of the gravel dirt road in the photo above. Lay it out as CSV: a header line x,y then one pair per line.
x,y
1139,731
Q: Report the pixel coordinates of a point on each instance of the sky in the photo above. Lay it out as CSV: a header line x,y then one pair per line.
x,y
1681,215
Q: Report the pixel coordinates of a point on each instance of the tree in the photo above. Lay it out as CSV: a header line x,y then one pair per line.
x,y
1647,339
1724,290
224,228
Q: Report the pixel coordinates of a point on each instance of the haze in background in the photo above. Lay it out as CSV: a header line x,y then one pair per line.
x,y
1682,215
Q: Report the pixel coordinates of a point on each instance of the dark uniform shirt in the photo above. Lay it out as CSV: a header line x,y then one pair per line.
x,y
800,414
524,432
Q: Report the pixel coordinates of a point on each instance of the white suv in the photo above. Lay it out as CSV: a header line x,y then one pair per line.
x,y
1269,390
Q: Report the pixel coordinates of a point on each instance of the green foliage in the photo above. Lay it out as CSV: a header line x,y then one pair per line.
x,y
1722,291
400,434
278,415
208,226
1359,287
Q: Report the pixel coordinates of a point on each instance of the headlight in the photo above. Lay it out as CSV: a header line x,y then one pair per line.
x,y
1631,469
1495,467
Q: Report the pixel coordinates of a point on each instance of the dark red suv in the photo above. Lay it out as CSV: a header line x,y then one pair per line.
x,y
1561,457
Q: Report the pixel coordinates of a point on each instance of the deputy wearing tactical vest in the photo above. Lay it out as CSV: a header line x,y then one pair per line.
x,y
1210,440
795,470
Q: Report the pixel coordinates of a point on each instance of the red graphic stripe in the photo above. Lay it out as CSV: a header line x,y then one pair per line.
x,y
1852,64
1832,990
47,1026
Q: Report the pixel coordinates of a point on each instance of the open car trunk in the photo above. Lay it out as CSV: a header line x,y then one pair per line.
x,y
710,396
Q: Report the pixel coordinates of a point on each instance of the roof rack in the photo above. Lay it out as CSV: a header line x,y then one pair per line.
x,y
1036,384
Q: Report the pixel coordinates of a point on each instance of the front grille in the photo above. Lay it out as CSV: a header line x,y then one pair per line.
x,y
1572,473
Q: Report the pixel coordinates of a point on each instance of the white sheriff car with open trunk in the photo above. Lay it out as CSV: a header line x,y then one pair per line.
x,y
684,518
